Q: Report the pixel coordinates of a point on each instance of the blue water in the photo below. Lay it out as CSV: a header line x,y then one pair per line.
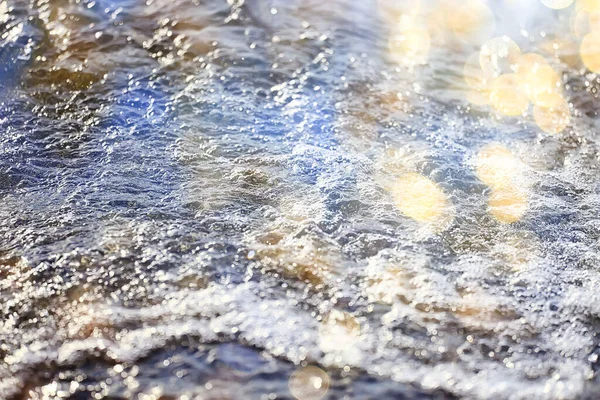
x,y
191,190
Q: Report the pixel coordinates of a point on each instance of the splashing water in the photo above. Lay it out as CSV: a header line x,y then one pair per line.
x,y
299,199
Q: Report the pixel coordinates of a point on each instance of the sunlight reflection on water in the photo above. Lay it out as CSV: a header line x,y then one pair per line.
x,y
265,199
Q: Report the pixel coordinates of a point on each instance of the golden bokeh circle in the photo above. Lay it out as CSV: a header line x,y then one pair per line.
x,y
540,82
495,165
419,198
588,5
498,56
409,42
579,23
392,11
590,51
594,20
564,50
555,118
529,63
507,96
470,20
508,204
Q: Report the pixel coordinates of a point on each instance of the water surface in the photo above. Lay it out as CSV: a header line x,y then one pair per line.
x,y
298,199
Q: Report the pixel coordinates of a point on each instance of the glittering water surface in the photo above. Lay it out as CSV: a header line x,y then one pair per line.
x,y
229,199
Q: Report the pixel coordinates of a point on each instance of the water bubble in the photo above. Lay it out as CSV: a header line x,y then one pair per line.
x,y
309,383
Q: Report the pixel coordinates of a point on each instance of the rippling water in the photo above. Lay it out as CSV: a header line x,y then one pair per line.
x,y
269,199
